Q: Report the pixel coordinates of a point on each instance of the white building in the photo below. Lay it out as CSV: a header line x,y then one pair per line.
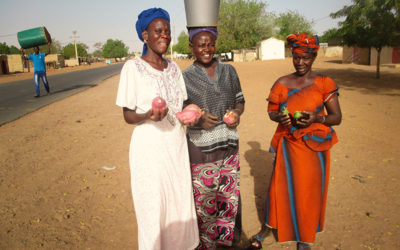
x,y
270,49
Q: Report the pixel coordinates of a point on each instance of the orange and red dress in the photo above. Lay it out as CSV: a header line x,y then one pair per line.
x,y
297,194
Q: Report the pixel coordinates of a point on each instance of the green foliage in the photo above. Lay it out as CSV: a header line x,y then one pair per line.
x,y
242,24
4,49
370,23
331,35
14,50
290,22
69,50
114,49
182,46
97,53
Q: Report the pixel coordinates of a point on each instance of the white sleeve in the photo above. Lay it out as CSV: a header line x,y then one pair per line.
x,y
126,95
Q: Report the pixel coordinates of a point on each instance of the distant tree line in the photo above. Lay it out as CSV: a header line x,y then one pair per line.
x,y
111,49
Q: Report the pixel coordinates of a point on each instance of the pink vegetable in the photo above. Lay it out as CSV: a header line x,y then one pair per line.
x,y
189,114
158,103
228,119
193,107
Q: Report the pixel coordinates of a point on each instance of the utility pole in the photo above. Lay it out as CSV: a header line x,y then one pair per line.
x,y
76,50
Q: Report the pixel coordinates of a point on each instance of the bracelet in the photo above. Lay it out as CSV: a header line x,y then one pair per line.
x,y
323,120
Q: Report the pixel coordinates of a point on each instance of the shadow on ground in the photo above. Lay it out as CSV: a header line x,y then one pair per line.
x,y
261,166
365,81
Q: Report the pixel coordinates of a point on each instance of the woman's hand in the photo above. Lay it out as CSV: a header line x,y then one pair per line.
x,y
282,118
195,121
156,114
208,121
235,116
307,118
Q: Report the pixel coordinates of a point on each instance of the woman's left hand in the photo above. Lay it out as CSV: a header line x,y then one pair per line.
x,y
307,118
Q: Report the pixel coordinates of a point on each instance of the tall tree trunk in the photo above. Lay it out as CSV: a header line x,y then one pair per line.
x,y
378,62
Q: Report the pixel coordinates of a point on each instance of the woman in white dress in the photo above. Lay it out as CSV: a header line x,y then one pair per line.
x,y
159,160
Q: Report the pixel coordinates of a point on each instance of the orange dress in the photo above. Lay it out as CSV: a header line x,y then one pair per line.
x,y
297,194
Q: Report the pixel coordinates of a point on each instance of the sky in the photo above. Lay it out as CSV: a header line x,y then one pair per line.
x,y
99,20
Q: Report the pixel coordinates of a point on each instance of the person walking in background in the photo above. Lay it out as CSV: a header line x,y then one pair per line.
x,y
298,189
213,144
39,66
159,159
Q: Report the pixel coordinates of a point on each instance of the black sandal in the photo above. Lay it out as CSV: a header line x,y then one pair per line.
x,y
255,243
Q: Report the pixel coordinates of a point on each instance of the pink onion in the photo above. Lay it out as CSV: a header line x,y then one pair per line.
x,y
228,119
158,103
189,114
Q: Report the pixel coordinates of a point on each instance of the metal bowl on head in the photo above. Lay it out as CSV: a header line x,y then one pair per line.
x,y
201,13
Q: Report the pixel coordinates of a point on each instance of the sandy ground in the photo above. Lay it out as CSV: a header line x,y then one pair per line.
x,y
64,175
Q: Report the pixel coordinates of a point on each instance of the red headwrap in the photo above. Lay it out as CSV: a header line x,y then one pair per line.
x,y
300,43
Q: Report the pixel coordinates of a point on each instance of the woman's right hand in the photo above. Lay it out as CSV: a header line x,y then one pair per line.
x,y
282,118
208,121
156,114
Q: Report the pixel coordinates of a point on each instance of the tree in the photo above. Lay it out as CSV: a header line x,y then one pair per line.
x,y
183,44
114,49
242,24
290,22
98,49
371,24
55,47
14,50
69,50
4,49
331,35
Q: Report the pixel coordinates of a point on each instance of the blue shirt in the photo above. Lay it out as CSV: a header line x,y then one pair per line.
x,y
38,61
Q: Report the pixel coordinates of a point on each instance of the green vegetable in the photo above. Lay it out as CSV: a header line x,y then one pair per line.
x,y
285,111
297,115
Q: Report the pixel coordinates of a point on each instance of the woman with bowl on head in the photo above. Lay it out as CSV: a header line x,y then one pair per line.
x,y
159,159
214,144
306,106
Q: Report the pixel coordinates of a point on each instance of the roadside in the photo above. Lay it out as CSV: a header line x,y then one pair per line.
x,y
29,75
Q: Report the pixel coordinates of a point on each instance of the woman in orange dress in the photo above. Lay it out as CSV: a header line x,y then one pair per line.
x,y
305,105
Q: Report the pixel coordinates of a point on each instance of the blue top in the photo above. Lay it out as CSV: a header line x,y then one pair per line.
x,y
38,61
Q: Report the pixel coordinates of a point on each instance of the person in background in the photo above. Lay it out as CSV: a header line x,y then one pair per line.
x,y
306,106
213,144
159,159
39,66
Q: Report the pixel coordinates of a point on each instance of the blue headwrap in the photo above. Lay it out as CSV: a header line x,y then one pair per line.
x,y
145,18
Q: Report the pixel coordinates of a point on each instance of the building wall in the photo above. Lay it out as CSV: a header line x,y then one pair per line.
x,y
3,65
356,55
334,51
386,56
244,55
14,63
55,60
271,49
71,62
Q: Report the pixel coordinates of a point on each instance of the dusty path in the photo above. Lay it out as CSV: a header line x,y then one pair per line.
x,y
64,175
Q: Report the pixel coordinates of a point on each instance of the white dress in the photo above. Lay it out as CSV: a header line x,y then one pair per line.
x,y
159,159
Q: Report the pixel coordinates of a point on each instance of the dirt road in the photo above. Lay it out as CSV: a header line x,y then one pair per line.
x,y
64,175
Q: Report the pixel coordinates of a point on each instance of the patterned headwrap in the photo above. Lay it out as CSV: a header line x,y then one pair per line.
x,y
300,43
197,30
145,18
